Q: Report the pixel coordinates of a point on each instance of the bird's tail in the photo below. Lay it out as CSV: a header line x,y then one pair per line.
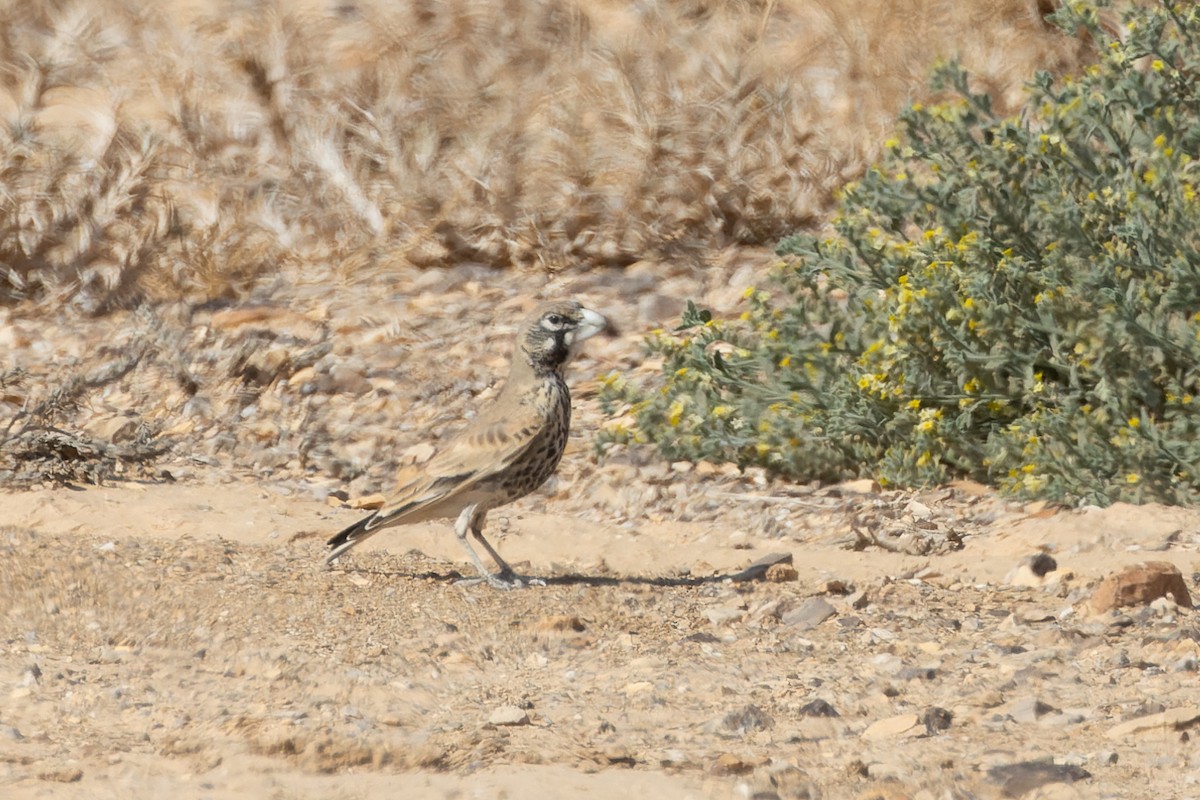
x,y
355,534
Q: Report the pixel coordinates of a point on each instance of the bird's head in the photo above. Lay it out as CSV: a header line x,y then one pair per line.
x,y
554,333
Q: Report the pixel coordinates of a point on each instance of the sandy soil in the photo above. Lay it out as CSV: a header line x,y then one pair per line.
x,y
184,638
177,633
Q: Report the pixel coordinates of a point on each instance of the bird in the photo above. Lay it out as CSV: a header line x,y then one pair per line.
x,y
507,451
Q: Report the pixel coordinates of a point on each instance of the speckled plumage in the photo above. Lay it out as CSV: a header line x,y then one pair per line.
x,y
508,450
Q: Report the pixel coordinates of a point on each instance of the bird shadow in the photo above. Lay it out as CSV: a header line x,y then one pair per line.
x,y
571,579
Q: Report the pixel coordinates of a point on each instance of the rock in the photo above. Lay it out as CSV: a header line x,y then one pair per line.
x,y
724,615
936,720
1030,709
758,569
817,708
1018,780
508,715
747,719
782,573
62,775
729,764
861,486
1033,571
369,502
1141,584
809,614
1175,719
891,726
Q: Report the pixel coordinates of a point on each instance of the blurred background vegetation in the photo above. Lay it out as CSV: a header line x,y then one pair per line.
x,y
191,148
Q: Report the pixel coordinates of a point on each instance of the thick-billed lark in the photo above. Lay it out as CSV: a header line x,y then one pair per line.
x,y
507,451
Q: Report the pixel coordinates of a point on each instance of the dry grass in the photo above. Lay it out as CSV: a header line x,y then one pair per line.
x,y
189,148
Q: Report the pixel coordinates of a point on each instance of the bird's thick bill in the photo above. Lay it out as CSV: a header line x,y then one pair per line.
x,y
591,323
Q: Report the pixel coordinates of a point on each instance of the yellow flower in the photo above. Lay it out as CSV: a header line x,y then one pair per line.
x,y
914,403
675,413
1134,422
924,459
786,361
1133,477
722,411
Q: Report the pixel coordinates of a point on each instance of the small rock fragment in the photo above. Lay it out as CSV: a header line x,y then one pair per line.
x,y
936,720
729,764
818,708
758,569
369,502
1030,709
809,614
1018,780
781,573
1176,719
747,719
62,775
891,726
1141,584
508,715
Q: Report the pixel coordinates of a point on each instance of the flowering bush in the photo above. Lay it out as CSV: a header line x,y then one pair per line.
x,y
1015,300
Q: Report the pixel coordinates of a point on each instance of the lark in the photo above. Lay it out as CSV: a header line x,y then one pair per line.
x,y
506,452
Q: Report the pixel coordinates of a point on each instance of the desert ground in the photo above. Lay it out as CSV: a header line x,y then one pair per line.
x,y
225,334
176,631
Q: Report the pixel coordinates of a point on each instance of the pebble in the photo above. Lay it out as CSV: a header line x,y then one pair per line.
x,y
1174,719
747,719
818,708
1140,585
809,614
1018,780
1030,709
891,726
508,716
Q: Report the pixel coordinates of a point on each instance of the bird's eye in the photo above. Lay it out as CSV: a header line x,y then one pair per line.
x,y
555,319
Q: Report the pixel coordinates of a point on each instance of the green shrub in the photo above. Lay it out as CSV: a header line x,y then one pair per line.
x,y
1015,300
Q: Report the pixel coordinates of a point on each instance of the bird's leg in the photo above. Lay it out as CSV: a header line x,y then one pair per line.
x,y
507,573
471,521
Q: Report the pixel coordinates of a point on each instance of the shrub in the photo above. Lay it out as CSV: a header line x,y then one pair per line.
x,y
1012,299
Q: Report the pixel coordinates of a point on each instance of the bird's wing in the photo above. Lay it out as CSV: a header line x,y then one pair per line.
x,y
486,448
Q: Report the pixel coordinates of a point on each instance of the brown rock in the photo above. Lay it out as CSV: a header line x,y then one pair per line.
x,y
782,573
1141,584
729,764
368,502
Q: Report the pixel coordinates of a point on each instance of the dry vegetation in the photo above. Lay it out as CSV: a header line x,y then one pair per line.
x,y
187,149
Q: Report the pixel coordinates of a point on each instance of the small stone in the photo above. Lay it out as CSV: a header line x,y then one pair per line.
x,y
809,614
918,510
891,726
63,775
729,764
369,502
508,715
782,573
818,708
758,569
861,486
1030,709
724,615
936,720
747,719
1176,719
1140,585
1018,780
